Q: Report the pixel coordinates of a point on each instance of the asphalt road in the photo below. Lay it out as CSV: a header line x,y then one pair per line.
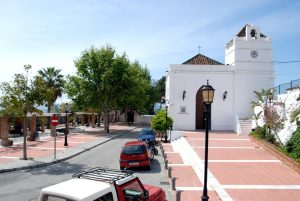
x,y
26,185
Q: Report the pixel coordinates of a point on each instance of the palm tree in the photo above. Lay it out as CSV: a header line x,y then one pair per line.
x,y
54,82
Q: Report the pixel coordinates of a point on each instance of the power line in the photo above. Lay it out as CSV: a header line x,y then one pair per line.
x,y
286,62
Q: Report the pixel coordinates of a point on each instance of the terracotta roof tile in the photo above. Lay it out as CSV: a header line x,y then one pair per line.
x,y
200,59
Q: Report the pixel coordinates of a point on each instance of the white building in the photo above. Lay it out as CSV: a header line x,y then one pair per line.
x,y
248,67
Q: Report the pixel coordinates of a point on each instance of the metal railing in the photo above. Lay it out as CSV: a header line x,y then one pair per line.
x,y
282,88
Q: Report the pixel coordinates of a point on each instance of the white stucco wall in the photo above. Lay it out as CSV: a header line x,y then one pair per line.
x,y
240,76
190,78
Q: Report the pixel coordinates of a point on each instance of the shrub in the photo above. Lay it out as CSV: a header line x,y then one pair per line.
x,y
293,145
259,132
158,122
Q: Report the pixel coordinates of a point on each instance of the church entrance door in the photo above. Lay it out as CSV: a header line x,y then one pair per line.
x,y
200,112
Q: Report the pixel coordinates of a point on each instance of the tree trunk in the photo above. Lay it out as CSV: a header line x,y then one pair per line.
x,y
106,120
99,119
115,117
93,120
25,137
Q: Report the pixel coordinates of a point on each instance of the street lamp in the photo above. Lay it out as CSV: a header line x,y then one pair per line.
x,y
67,125
270,96
207,92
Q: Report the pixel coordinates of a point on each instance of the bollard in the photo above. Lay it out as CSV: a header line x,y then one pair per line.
x,y
178,193
165,156
173,183
166,164
169,172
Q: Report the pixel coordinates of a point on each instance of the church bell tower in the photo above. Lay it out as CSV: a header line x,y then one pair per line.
x,y
250,53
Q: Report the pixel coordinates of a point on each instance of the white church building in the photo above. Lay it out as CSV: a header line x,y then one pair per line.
x,y
248,67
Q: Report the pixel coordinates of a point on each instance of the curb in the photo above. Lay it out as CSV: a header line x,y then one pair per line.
x,y
62,159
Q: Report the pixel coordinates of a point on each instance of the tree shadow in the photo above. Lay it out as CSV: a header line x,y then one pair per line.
x,y
61,168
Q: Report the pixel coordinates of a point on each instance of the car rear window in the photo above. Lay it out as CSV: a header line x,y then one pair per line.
x,y
134,149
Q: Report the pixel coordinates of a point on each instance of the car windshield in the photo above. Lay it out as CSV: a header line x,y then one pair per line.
x,y
146,132
54,198
134,149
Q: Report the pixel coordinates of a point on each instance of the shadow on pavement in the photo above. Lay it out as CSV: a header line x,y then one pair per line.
x,y
58,169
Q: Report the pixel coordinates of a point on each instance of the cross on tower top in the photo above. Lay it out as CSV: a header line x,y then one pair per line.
x,y
199,47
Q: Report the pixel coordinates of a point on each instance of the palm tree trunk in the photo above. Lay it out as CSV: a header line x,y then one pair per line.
x,y
25,137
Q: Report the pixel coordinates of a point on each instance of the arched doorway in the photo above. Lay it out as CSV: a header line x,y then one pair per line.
x,y
200,112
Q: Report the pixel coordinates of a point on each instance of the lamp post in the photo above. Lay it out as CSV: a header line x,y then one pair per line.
x,y
207,92
67,126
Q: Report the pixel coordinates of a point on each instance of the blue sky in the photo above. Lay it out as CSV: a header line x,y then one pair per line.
x,y
154,32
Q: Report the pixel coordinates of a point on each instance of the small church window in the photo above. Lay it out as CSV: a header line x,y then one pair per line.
x,y
182,109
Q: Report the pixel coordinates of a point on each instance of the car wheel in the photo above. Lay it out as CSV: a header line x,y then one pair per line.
x,y
148,168
122,168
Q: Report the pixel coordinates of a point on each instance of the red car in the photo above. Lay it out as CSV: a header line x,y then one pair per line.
x,y
135,154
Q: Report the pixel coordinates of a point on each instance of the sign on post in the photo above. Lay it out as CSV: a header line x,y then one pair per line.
x,y
54,120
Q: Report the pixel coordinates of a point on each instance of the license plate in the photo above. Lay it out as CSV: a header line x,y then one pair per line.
x,y
134,163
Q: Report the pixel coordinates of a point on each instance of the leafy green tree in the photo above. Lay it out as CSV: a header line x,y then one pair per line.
x,y
105,81
20,97
160,88
54,85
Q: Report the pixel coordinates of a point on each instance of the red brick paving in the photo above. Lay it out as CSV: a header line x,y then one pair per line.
x,y
174,158
254,174
185,176
220,143
236,173
32,152
235,154
168,148
268,195
196,195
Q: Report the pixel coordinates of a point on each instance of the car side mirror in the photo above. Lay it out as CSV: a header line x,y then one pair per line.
x,y
133,194
146,195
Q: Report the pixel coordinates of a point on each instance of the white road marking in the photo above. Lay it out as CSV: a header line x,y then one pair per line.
x,y
10,157
244,161
269,187
227,147
45,148
190,157
220,139
184,188
178,164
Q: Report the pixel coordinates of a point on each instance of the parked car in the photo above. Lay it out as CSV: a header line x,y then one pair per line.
x,y
136,154
102,184
146,134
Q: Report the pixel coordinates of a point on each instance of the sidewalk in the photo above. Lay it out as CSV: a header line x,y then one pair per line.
x,y
239,169
41,152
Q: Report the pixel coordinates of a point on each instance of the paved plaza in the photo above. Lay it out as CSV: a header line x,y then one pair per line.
x,y
239,169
